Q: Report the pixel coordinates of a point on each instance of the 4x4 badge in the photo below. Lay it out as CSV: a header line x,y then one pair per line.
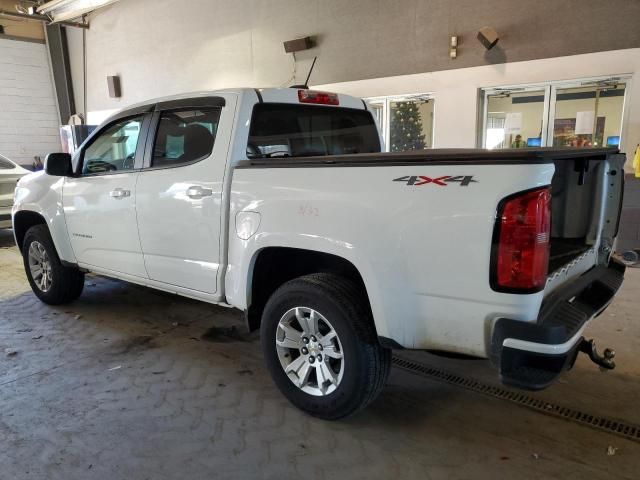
x,y
417,180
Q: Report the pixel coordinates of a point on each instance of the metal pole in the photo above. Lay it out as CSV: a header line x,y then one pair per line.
x,y
595,118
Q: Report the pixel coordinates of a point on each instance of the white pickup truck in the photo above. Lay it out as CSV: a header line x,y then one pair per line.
x,y
278,202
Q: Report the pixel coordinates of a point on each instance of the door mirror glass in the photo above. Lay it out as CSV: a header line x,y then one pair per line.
x,y
58,164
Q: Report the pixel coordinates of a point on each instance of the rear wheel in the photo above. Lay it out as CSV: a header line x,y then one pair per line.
x,y
52,282
321,347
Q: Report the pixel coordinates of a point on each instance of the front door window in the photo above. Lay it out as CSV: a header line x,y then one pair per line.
x,y
114,150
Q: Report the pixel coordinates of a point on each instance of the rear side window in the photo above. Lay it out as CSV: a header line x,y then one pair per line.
x,y
185,136
289,130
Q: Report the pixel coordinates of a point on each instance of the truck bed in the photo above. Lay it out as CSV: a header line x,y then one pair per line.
x,y
563,250
420,226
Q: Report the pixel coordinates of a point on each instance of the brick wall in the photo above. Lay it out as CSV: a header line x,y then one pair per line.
x,y
29,123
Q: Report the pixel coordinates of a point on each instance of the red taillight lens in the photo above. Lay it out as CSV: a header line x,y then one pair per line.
x,y
323,98
521,242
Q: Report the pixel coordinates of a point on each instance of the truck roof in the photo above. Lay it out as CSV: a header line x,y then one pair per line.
x,y
267,95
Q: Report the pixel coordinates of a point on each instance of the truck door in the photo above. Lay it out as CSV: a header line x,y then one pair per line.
x,y
99,203
179,193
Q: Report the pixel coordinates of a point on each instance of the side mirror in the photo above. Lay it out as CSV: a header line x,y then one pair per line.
x,y
58,164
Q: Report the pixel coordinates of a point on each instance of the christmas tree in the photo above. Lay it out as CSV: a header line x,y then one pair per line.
x,y
406,127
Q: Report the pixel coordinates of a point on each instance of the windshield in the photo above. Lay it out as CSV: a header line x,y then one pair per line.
x,y
289,130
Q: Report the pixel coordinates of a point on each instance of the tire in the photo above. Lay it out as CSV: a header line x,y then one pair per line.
x,y
65,284
353,381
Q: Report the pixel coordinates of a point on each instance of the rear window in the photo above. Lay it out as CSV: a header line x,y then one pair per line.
x,y
286,130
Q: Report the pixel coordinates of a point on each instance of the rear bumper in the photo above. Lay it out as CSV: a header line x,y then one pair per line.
x,y
533,355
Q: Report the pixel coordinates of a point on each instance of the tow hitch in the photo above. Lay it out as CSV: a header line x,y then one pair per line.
x,y
604,361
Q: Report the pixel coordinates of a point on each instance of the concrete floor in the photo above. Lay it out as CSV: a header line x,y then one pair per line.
x,y
128,383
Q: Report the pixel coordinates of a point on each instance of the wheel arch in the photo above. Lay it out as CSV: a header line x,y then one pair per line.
x,y
23,221
271,267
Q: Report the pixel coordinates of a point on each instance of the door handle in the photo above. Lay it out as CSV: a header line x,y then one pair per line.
x,y
120,193
198,192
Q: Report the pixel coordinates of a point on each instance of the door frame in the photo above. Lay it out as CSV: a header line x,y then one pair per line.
x,y
515,89
227,104
89,178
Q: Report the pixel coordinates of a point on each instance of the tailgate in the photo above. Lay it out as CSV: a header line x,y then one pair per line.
x,y
586,201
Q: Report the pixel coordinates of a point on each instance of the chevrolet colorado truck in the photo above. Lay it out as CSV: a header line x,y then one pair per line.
x,y
279,202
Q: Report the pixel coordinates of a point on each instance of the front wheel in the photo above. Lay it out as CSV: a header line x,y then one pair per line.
x,y
52,282
321,347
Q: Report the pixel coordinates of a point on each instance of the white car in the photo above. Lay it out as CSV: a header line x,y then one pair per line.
x,y
10,173
278,202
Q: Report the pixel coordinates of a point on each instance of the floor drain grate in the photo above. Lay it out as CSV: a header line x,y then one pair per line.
x,y
626,430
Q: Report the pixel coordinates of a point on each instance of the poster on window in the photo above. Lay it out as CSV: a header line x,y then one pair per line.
x,y
584,122
513,123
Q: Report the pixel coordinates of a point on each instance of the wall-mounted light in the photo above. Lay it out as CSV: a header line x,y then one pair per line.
x,y
453,47
113,82
299,44
488,37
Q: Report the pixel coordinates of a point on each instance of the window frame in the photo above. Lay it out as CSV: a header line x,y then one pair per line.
x,y
138,159
549,112
385,102
153,132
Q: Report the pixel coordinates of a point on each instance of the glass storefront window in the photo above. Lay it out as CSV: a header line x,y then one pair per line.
x,y
515,119
558,114
588,116
406,122
410,125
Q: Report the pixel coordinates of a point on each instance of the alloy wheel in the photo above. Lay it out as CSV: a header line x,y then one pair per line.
x,y
310,351
40,266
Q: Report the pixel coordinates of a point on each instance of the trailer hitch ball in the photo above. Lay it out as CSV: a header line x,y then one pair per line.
x,y
604,361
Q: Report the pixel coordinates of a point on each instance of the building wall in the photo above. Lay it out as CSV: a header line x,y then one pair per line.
x,y
456,91
366,48
160,47
29,123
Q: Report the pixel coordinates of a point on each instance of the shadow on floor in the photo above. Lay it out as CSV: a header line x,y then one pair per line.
x,y
6,238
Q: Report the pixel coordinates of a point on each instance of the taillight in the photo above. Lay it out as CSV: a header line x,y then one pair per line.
x,y
323,98
520,255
